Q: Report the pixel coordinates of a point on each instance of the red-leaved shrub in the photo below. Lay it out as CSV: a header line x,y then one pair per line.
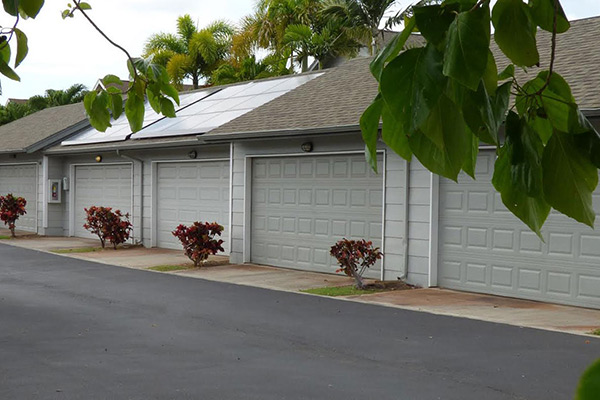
x,y
11,208
109,225
198,240
354,257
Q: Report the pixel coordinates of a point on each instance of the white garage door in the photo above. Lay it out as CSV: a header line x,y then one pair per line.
x,y
21,181
189,192
101,185
484,248
302,205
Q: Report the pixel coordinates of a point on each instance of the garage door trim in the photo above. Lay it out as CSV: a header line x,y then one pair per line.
x,y
154,188
37,189
248,193
72,189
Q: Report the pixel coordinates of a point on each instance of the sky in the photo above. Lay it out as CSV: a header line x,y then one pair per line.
x,y
65,52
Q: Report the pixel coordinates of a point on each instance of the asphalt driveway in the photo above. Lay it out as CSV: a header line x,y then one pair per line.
x,y
71,329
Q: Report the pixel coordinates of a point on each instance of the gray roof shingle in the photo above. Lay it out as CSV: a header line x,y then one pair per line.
x,y
339,97
19,135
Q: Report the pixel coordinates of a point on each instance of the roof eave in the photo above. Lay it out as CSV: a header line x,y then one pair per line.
x,y
277,133
104,147
58,137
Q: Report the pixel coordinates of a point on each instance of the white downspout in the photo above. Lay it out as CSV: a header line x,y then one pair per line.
x,y
141,223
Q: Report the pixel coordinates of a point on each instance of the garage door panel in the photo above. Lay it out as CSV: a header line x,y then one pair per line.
x,y
21,181
302,206
484,248
103,186
189,192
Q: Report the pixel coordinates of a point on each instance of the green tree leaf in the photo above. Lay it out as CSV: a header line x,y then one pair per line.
x,y
570,178
167,108
417,74
7,71
393,135
542,12
533,211
96,107
468,46
112,80
490,75
369,125
433,21
515,32
471,158
116,105
11,7
391,50
442,143
589,383
85,6
22,48
507,73
134,110
31,7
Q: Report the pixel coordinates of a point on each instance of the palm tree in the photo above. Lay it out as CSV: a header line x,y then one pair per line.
x,y
191,53
250,69
329,41
52,98
364,16
268,24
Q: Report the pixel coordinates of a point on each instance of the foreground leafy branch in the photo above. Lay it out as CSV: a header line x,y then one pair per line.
x,y
146,80
440,101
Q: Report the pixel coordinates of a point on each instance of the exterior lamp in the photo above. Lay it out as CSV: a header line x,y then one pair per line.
x,y
98,158
307,147
193,154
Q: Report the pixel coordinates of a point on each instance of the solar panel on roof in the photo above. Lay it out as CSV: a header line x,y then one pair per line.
x,y
222,107
120,127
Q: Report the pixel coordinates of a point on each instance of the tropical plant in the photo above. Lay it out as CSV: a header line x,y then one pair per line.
x,y
248,70
11,208
354,257
53,97
327,42
199,240
589,383
440,101
108,225
191,53
362,17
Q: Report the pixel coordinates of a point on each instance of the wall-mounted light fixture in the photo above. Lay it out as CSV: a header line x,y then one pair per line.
x,y
307,147
98,158
193,154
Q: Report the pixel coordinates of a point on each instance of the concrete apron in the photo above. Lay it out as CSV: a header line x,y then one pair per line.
x,y
437,301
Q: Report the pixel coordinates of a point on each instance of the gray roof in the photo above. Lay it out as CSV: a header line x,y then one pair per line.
x,y
42,127
336,100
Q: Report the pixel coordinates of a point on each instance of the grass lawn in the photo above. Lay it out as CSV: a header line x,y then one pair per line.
x,y
340,291
77,250
4,237
169,268
596,332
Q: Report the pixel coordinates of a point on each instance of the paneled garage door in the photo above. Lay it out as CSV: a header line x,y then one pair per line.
x,y
21,180
484,248
101,185
188,192
302,205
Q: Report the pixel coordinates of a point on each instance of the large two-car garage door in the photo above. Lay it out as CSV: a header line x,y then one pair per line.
x,y
302,205
21,181
484,248
101,185
188,192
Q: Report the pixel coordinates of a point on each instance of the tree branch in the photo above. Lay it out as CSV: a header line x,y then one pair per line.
x,y
130,59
